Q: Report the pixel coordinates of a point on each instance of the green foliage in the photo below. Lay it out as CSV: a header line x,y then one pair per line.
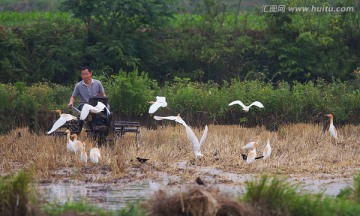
x,y
129,92
273,196
15,194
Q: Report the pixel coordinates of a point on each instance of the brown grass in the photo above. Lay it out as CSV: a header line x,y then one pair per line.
x,y
300,148
195,201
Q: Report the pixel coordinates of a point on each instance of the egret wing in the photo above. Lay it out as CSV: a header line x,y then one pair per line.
x,y
257,103
204,135
99,107
250,145
192,137
173,118
60,122
85,111
237,102
154,107
160,99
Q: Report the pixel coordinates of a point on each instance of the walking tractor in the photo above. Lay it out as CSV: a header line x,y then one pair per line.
x,y
97,124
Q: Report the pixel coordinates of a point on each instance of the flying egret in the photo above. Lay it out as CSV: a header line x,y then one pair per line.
x,y
87,108
94,154
61,121
160,102
70,144
250,145
77,143
332,128
252,154
246,108
267,149
83,155
196,145
177,118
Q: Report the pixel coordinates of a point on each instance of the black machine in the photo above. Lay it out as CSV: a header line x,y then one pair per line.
x,y
101,125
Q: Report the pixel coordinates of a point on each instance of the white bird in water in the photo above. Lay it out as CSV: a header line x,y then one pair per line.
x,y
87,108
70,144
61,121
246,108
332,128
252,155
267,149
83,155
94,154
160,102
196,145
77,144
177,118
250,145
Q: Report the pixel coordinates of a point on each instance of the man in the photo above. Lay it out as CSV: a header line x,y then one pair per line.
x,y
87,88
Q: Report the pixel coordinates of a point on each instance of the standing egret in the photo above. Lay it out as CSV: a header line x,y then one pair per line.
x,y
177,118
332,128
77,143
196,145
252,154
61,121
160,102
83,155
94,154
87,108
267,149
250,145
70,144
246,108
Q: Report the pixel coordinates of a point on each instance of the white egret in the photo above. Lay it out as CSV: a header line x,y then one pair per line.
x,y
70,144
246,108
196,145
267,149
160,102
61,121
77,143
250,145
332,128
94,154
177,118
252,155
87,108
83,155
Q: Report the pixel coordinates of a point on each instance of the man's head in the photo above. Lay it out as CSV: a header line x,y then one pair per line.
x,y
86,73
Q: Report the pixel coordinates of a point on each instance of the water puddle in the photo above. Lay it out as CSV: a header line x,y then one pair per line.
x,y
115,196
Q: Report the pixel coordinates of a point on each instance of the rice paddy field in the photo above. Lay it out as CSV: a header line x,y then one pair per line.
x,y
303,155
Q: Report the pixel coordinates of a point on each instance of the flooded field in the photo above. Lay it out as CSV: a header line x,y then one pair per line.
x,y
113,196
302,153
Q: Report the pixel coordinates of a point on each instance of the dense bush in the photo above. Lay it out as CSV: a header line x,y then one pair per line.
x,y
207,41
198,103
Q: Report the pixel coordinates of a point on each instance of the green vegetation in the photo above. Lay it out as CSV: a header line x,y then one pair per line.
x,y
199,103
201,40
273,196
16,194
263,196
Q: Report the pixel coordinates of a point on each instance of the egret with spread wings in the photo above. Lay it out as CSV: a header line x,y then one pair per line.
x,y
61,121
246,108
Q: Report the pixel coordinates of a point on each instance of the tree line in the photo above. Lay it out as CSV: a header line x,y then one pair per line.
x,y
211,41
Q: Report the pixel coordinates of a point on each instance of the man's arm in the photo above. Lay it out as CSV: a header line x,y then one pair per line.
x,y
73,96
72,100
101,90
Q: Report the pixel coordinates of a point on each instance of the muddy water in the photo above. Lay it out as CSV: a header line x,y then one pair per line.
x,y
116,196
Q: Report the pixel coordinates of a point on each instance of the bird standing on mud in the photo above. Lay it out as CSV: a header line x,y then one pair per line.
x,y
70,144
77,144
94,154
267,149
332,129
